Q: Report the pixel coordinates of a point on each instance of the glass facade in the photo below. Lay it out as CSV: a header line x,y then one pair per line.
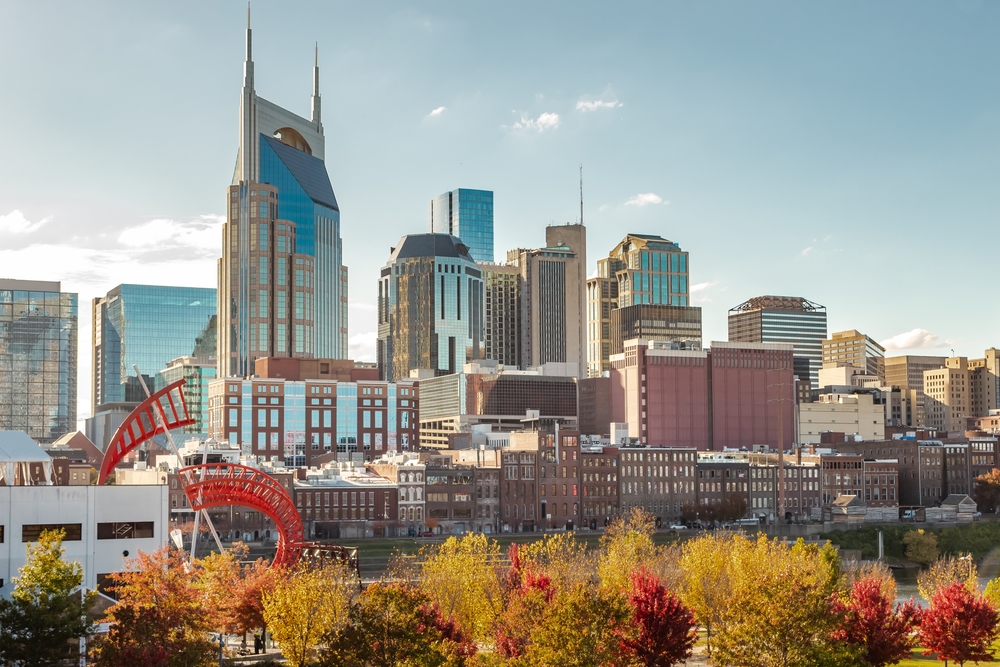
x,y
148,326
467,214
430,307
783,319
196,372
38,359
306,198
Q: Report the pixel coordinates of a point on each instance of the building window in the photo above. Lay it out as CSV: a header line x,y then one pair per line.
x,y
124,530
31,531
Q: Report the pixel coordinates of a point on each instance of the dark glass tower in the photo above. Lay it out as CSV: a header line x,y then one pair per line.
x,y
467,214
38,359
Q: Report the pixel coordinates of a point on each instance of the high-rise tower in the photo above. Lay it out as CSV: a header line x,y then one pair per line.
x,y
282,251
783,319
467,214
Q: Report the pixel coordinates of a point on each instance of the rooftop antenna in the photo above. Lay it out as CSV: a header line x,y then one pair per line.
x,y
581,193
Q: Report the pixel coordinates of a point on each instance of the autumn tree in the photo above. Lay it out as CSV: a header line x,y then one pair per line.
x,y
944,571
159,619
921,546
564,559
580,627
258,579
463,577
959,625
528,594
706,564
987,491
47,608
626,545
778,613
312,601
662,630
396,624
879,631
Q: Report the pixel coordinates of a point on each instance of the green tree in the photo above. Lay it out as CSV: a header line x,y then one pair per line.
x,y
395,624
779,607
47,608
921,546
308,604
580,628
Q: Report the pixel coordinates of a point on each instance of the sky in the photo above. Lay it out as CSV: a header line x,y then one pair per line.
x,y
846,152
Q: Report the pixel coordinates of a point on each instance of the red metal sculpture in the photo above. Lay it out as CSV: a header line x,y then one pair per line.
x,y
218,484
142,425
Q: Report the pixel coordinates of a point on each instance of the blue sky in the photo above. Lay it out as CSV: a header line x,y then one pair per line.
x,y
841,151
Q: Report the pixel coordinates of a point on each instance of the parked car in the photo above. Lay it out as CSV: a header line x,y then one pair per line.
x,y
678,526
427,533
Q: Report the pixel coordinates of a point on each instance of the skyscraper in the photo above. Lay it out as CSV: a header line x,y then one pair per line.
x,y
38,359
853,348
643,270
783,319
907,373
467,214
502,286
430,307
553,298
283,223
147,326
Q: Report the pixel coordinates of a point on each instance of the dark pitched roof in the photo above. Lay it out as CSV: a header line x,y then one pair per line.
x,y
309,171
431,245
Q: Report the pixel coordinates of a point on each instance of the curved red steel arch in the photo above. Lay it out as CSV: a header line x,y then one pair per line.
x,y
218,484
142,425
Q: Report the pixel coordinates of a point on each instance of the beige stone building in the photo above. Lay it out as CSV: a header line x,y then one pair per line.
x,y
852,414
907,373
947,403
853,348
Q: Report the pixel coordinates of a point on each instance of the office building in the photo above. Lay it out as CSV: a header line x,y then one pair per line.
x,y
467,214
146,326
594,411
735,395
853,348
282,281
489,395
553,298
948,396
672,324
855,414
38,358
907,373
430,307
309,421
641,270
345,500
984,383
783,319
197,373
502,290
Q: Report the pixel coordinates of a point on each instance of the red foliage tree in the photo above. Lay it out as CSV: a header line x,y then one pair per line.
x,y
663,629
959,625
881,633
528,595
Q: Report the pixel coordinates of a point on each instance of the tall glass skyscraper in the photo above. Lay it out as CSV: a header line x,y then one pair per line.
x,y
38,359
467,214
280,196
430,307
149,326
783,319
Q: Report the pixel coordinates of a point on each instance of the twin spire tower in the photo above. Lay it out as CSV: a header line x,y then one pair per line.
x,y
282,282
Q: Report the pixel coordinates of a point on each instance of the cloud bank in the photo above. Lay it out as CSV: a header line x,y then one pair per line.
x,y
915,339
594,105
546,121
645,198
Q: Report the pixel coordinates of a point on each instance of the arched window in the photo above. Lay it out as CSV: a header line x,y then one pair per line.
x,y
410,513
420,514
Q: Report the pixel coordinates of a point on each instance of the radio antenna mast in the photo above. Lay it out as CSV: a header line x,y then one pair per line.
x,y
581,193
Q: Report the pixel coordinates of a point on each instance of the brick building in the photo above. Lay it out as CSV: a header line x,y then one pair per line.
x,y
661,480
599,484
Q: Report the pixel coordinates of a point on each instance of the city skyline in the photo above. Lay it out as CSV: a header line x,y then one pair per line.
x,y
765,157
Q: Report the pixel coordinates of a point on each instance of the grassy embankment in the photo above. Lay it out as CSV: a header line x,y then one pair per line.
x,y
978,538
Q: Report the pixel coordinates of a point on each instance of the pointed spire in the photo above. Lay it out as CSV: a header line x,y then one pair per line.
x,y
249,36
315,95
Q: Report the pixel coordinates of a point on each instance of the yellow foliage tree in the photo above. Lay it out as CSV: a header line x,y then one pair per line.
x,y
309,603
464,577
921,546
626,544
944,572
705,565
563,558
778,613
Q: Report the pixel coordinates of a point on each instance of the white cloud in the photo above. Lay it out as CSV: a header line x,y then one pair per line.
x,y
603,208
915,339
437,112
15,223
361,346
700,287
806,250
203,233
546,121
594,105
645,198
